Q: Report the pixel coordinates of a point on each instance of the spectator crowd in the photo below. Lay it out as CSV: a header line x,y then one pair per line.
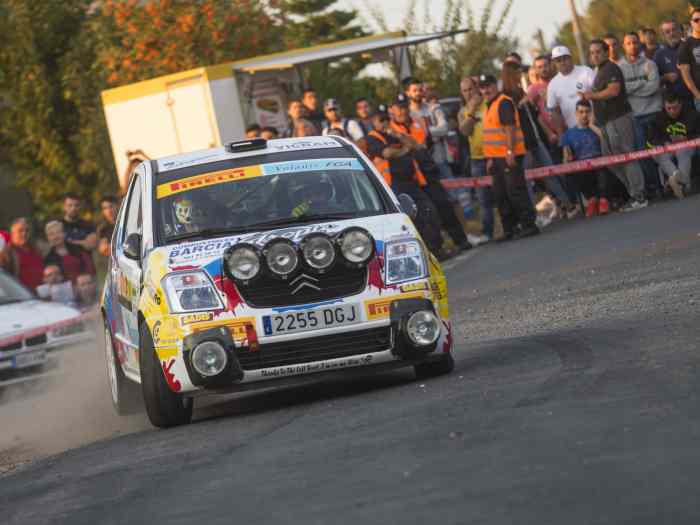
x,y
60,266
639,93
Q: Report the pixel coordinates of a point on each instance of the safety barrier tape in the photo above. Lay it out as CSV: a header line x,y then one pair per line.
x,y
18,337
577,166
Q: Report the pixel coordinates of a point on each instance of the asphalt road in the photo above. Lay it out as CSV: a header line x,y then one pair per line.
x,y
575,400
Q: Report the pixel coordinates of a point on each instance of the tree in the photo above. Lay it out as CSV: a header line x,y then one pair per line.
x,y
444,63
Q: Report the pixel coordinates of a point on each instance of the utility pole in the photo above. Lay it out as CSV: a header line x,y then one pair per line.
x,y
576,24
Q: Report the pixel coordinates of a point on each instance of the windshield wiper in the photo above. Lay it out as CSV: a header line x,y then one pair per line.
x,y
208,232
305,218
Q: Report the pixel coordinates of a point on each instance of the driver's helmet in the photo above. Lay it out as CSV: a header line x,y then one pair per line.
x,y
183,207
189,212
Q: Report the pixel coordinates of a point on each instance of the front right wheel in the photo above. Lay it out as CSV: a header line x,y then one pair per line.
x,y
443,366
164,407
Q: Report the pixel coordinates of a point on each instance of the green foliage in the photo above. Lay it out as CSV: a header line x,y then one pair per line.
x,y
445,62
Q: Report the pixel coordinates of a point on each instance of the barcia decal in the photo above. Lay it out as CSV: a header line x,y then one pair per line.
x,y
207,179
296,166
379,308
200,317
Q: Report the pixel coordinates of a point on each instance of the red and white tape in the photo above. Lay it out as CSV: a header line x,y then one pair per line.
x,y
577,166
40,330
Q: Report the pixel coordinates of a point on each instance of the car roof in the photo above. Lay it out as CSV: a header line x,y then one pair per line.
x,y
275,146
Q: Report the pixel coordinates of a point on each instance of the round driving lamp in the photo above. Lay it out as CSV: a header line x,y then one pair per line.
x,y
242,262
281,257
318,251
356,245
423,328
209,358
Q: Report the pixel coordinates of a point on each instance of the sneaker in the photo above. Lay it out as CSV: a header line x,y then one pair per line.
x,y
592,207
603,206
634,205
573,212
542,221
676,186
526,232
478,240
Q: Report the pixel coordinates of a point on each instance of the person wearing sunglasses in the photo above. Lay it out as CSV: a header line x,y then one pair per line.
x,y
689,58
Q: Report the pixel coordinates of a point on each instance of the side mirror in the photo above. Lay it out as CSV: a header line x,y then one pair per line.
x,y
408,205
132,246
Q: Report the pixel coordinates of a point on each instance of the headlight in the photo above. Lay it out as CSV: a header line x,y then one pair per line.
x,y
190,291
318,250
356,245
281,257
423,328
404,261
242,262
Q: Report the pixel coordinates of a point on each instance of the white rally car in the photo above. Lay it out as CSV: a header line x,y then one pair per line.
x,y
30,327
262,263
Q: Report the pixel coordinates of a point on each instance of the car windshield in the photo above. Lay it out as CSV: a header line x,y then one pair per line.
x,y
11,291
267,195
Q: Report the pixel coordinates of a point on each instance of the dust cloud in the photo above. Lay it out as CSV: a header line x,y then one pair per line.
x,y
68,407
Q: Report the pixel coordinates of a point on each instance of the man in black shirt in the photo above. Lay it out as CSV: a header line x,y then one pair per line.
x,y
689,58
676,123
613,115
392,154
77,231
109,206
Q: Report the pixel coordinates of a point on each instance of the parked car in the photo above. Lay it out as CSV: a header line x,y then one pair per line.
x,y
260,263
29,327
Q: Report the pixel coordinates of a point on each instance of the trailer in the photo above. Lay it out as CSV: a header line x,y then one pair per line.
x,y
205,107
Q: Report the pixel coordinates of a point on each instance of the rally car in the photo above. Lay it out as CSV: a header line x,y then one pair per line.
x,y
262,263
30,327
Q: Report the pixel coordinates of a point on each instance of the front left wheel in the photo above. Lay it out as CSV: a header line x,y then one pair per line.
x,y
164,407
443,366
126,396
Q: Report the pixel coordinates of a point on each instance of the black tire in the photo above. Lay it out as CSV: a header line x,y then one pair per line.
x,y
435,368
164,407
125,394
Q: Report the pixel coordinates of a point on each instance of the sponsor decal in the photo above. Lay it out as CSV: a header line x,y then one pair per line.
x,y
414,287
317,367
196,318
296,144
207,179
172,164
170,378
379,308
165,332
296,166
238,326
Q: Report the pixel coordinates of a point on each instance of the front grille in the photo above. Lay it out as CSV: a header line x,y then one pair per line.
x,y
36,340
11,347
340,281
316,349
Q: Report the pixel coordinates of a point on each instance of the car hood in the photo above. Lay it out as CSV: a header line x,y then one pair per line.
x,y
207,254
29,315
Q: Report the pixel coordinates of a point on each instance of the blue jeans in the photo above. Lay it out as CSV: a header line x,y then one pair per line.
x,y
485,197
641,133
541,157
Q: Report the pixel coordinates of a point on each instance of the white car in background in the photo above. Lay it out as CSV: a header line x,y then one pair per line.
x,y
29,327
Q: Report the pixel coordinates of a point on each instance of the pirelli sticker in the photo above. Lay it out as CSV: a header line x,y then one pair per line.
x,y
207,179
379,308
237,326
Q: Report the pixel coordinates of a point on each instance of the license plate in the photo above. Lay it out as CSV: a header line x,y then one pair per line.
x,y
29,359
293,322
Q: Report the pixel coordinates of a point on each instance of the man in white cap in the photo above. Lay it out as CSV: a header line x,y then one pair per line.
x,y
563,90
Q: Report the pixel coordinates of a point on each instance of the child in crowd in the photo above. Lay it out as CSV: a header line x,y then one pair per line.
x,y
583,142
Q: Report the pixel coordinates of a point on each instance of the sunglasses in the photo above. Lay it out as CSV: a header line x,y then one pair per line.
x,y
332,110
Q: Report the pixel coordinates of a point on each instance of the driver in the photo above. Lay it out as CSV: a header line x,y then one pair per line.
x,y
188,217
316,197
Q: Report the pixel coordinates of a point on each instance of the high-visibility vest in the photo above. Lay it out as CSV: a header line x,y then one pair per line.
x,y
382,164
415,130
494,139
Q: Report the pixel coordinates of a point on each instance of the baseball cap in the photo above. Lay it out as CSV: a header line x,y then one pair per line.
x,y
560,51
331,103
382,111
400,100
487,80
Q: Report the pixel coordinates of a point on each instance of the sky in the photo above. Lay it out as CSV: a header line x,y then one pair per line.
x,y
527,15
